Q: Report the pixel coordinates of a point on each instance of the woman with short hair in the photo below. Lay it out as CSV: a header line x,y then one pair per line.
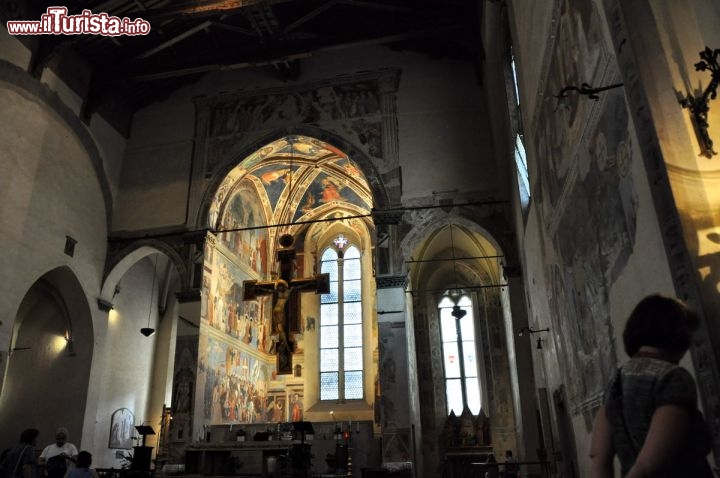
x,y
650,418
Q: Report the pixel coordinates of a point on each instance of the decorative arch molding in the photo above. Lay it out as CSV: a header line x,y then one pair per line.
x,y
431,220
356,113
121,257
375,180
36,91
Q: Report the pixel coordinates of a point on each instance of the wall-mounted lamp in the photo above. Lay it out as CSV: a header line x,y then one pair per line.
x,y
586,90
104,305
107,305
531,331
698,106
70,344
539,343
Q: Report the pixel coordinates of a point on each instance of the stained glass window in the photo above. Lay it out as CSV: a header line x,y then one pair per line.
x,y
462,384
341,331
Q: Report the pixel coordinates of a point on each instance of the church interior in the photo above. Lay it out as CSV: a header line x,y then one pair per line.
x,y
349,237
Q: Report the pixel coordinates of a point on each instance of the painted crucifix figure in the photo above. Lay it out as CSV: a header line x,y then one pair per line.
x,y
284,301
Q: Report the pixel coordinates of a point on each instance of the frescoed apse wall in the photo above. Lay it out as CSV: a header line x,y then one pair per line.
x,y
295,178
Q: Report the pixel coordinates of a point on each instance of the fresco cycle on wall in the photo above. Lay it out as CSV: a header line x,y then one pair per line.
x,y
235,383
591,245
293,177
354,106
244,210
223,307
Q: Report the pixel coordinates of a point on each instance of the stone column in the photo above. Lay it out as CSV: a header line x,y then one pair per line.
x,y
393,370
199,173
522,376
187,384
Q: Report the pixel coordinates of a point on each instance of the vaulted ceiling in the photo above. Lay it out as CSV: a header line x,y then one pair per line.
x,y
294,180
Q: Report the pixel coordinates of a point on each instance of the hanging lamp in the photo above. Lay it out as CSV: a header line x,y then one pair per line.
x,y
457,311
148,331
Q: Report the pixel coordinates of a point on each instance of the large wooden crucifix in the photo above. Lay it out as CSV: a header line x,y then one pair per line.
x,y
285,303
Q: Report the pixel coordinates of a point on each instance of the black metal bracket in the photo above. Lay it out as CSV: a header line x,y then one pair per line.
x,y
586,90
531,331
699,106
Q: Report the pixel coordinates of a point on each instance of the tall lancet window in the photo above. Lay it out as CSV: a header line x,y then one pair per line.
x,y
341,342
462,385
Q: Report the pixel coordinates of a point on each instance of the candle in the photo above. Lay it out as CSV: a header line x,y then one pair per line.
x,y
357,427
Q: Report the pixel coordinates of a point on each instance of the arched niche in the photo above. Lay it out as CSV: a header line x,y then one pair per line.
x,y
48,371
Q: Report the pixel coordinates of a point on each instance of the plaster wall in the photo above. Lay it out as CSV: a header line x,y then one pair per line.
x,y
664,39
41,358
440,115
48,190
110,143
71,99
127,375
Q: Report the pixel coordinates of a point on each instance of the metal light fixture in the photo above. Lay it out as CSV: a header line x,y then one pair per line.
x,y
699,106
148,331
457,311
531,331
70,344
539,343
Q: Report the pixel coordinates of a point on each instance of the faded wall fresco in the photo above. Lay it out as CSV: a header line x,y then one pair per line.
x,y
355,104
357,111
234,383
244,210
586,197
594,244
223,307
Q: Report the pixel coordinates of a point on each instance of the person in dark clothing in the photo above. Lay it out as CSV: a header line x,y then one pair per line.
x,y
650,417
83,470
512,468
20,461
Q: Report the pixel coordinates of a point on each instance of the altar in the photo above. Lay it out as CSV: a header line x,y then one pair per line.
x,y
249,458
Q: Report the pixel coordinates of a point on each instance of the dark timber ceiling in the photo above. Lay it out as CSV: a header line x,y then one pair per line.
x,y
189,38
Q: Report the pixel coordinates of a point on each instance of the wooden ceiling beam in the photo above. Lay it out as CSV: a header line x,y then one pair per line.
x,y
197,28
236,29
280,57
312,14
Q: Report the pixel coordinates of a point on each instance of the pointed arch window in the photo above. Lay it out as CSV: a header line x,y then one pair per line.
x,y
462,383
341,327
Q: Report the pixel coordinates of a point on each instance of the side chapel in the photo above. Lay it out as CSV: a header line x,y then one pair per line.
x,y
336,238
